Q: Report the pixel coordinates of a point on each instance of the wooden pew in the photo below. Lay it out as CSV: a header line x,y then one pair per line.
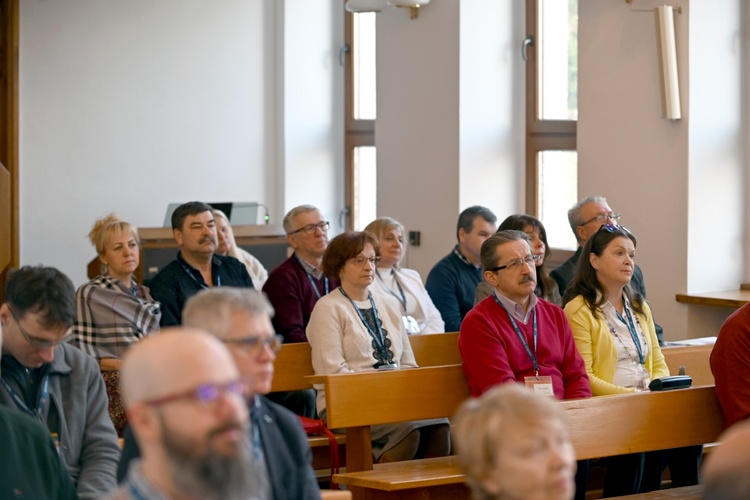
x,y
293,362
600,427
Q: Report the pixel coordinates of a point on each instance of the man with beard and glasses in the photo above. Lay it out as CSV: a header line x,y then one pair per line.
x,y
197,265
185,402
241,319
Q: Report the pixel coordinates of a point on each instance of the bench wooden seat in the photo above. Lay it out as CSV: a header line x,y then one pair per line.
x,y
695,359
600,427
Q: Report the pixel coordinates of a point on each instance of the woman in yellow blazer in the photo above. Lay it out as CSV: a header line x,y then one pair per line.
x,y
615,335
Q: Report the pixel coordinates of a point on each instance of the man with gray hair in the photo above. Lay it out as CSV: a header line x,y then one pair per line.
x,y
585,218
295,286
514,336
452,282
241,319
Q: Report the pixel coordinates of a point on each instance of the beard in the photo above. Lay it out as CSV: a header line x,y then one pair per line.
x,y
209,474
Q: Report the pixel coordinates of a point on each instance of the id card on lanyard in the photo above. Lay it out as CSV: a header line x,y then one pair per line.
x,y
40,411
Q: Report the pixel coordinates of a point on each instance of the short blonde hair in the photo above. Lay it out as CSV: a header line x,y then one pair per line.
x,y
103,229
480,422
382,225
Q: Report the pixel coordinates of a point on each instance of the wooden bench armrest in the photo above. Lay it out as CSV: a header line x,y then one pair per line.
x,y
109,364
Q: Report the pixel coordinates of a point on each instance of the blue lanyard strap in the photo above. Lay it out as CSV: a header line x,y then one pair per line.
x,y
521,337
401,299
633,332
42,403
378,337
315,286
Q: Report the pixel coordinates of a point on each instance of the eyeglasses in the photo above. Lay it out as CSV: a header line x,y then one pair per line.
x,y
602,218
205,394
610,228
310,228
255,345
361,261
36,341
515,265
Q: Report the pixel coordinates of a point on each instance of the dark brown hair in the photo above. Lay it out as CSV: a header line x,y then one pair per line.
x,y
343,247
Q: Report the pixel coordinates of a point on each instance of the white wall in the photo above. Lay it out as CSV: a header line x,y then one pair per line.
x,y
450,118
313,107
129,105
492,106
657,172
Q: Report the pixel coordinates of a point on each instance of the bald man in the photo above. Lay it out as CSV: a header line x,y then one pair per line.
x,y
726,472
241,319
185,403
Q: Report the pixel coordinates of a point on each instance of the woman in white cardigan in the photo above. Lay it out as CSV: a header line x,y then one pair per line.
x,y
352,330
418,313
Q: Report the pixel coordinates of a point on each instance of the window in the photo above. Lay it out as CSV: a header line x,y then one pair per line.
x,y
551,114
360,108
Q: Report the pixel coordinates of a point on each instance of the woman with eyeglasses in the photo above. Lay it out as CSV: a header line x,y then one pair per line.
x,y
353,330
614,332
546,288
418,312
228,246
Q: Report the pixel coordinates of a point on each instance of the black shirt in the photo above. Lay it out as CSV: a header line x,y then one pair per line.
x,y
179,281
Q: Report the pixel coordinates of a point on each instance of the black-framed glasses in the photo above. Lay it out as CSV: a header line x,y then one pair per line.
x,y
255,345
205,394
515,265
361,261
36,341
310,228
602,218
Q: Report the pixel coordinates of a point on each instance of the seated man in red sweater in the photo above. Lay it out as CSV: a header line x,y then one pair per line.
x,y
514,336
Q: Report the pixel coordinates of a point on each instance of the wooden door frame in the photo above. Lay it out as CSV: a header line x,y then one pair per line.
x,y
9,30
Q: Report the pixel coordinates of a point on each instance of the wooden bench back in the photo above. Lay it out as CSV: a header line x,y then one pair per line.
x,y
370,398
293,362
694,358
435,349
631,423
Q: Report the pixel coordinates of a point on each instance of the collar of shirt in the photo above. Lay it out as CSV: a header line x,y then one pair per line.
x,y
463,258
515,309
309,268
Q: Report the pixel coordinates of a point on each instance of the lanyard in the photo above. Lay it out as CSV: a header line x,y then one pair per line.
x,y
521,337
202,284
464,259
42,403
632,330
401,299
379,338
314,286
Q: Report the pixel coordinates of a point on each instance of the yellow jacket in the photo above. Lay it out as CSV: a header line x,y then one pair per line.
x,y
595,344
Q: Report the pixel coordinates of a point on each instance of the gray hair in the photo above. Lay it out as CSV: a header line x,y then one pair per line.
x,y
488,253
574,214
302,209
211,309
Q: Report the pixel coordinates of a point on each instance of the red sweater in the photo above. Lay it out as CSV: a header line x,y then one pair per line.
x,y
730,364
493,354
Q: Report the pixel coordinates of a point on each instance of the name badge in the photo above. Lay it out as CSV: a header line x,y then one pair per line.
x,y
410,325
540,385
